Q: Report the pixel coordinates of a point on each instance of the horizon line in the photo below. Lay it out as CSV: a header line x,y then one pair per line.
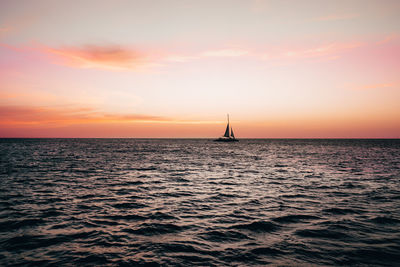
x,y
211,138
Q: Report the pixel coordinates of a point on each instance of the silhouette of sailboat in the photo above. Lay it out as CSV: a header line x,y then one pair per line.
x,y
227,137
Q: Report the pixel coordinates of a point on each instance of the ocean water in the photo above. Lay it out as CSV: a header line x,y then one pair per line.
x,y
180,202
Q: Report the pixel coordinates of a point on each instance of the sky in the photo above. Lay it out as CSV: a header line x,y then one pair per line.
x,y
172,69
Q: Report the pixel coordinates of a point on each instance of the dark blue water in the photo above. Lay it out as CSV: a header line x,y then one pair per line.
x,y
196,202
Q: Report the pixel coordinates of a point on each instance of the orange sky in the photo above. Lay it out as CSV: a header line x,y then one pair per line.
x,y
130,69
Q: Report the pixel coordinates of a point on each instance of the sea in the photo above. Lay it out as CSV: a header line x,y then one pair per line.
x,y
195,202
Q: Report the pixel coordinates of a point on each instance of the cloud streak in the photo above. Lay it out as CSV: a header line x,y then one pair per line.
x,y
102,57
388,39
214,53
325,51
225,53
375,86
121,58
322,51
333,17
62,116
42,116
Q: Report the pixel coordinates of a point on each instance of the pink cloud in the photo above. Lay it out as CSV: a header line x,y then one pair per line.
x,y
382,58
119,58
102,57
61,116
229,52
388,39
216,53
375,86
180,58
332,17
328,51
321,51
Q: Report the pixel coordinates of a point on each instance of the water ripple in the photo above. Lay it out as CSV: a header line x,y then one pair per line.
x,y
142,202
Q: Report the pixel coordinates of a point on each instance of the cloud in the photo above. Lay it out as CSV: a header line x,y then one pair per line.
x,y
119,58
102,57
16,94
229,52
4,31
326,51
62,116
218,53
180,58
388,39
375,86
333,17
322,51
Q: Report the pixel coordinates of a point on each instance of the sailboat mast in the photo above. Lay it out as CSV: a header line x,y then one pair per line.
x,y
227,129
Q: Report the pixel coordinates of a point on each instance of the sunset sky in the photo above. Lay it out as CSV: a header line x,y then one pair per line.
x,y
281,69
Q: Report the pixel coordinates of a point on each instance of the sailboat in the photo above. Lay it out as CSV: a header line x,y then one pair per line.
x,y
227,137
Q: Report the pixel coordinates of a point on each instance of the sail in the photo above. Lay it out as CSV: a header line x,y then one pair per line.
x,y
228,136
227,131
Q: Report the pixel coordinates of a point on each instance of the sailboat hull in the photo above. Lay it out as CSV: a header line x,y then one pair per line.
x,y
226,140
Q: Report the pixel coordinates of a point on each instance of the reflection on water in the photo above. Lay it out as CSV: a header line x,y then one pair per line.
x,y
180,202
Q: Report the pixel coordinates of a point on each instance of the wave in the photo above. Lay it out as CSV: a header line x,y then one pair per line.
x,y
27,241
266,251
130,202
295,218
128,217
18,224
128,205
257,226
342,211
149,229
385,220
224,236
321,233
